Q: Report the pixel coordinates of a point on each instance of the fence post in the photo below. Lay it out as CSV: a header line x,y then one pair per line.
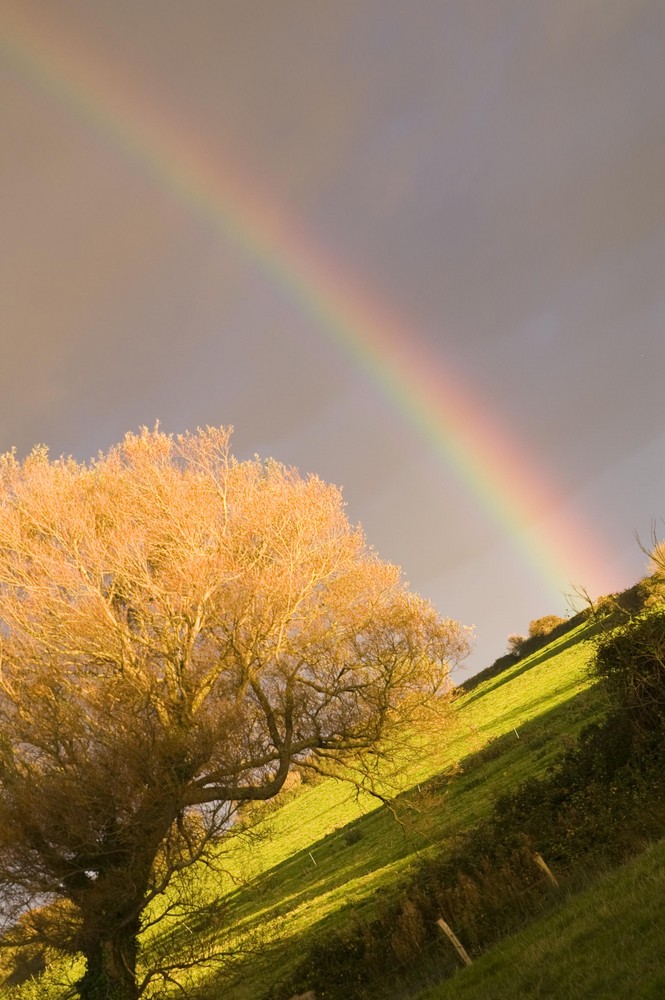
x,y
450,934
544,868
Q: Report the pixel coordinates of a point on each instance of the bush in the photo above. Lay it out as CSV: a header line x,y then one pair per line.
x,y
544,625
515,644
631,662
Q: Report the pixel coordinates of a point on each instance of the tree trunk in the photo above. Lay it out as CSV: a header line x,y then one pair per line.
x,y
111,967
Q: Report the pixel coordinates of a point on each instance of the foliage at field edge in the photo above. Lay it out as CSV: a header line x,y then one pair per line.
x,y
604,941
600,805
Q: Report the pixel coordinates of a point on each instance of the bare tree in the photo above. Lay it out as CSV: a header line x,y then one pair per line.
x,y
515,643
177,631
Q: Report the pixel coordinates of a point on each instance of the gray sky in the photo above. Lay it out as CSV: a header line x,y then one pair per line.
x,y
489,172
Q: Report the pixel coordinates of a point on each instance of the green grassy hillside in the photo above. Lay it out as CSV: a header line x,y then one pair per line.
x,y
327,854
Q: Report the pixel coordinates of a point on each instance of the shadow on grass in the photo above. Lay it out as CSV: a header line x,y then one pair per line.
x,y
362,851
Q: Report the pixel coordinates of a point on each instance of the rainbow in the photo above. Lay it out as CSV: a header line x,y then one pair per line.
x,y
506,481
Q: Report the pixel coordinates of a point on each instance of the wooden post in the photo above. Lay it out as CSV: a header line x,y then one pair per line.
x,y
544,868
450,934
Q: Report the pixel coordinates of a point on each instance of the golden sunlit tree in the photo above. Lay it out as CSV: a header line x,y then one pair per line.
x,y
540,627
178,630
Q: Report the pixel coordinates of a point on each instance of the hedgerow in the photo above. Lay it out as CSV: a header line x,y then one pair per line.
x,y
602,803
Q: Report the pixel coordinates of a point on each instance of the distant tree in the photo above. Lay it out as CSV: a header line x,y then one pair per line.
x,y
178,630
515,643
545,625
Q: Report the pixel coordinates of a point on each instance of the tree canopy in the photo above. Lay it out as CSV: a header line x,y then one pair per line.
x,y
543,626
178,629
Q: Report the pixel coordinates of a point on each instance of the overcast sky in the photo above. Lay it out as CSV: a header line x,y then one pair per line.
x,y
488,174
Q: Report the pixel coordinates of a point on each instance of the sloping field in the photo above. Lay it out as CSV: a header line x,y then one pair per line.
x,y
328,853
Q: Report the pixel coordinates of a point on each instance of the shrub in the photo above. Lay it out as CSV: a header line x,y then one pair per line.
x,y
515,644
544,625
631,662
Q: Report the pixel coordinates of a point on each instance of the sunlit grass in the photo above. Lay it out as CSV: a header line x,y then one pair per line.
x,y
306,877
327,854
